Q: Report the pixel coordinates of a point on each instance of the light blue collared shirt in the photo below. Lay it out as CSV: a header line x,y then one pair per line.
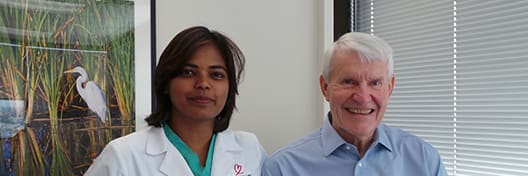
x,y
323,152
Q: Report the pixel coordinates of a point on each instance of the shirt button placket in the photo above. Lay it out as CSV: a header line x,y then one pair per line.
x,y
359,167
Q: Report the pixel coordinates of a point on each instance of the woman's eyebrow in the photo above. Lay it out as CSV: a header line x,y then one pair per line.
x,y
191,65
194,66
217,67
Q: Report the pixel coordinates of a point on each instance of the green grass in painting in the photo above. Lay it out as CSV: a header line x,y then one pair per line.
x,y
36,76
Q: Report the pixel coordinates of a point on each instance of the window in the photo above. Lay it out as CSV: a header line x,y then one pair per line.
x,y
461,78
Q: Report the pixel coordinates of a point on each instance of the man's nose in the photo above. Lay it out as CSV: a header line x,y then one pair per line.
x,y
362,94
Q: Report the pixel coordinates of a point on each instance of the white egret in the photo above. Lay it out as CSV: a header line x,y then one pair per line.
x,y
90,93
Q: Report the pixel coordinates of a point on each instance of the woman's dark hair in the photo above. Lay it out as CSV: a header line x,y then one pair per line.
x,y
173,59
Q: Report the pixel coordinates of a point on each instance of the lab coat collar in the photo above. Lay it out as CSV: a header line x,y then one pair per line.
x,y
159,146
226,152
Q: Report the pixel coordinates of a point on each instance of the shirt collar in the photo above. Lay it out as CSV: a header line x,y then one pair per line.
x,y
382,138
329,136
332,140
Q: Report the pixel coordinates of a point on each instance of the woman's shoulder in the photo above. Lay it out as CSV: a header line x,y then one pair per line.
x,y
240,136
136,137
243,140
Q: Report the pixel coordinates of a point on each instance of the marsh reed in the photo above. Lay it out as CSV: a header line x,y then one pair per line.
x,y
60,133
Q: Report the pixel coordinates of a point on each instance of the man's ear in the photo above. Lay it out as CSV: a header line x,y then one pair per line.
x,y
324,87
391,85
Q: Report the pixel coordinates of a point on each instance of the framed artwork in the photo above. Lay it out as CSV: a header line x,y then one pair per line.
x,y
71,75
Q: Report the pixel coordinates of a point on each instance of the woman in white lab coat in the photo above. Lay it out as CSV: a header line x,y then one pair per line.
x,y
195,85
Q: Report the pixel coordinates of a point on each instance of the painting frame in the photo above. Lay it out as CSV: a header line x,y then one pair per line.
x,y
54,55
145,38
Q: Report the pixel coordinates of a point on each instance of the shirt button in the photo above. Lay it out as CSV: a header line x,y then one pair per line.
x,y
360,164
347,147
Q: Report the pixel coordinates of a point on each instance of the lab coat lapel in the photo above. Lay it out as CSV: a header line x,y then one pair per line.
x,y
172,162
225,155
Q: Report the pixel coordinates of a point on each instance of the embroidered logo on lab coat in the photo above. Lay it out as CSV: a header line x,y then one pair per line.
x,y
239,170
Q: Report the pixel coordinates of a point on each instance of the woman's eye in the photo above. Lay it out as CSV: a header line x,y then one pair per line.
x,y
218,75
186,73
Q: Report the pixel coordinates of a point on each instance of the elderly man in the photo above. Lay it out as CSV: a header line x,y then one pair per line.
x,y
357,81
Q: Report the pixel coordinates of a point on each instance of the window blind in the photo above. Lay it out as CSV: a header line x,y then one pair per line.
x,y
461,78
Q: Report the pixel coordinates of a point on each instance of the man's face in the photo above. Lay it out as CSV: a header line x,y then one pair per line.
x,y
358,93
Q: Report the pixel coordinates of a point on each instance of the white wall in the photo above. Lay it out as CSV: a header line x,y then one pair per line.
x,y
279,97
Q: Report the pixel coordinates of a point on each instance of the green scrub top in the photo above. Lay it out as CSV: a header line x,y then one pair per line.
x,y
190,156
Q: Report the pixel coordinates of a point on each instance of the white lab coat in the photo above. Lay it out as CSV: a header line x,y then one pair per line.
x,y
150,153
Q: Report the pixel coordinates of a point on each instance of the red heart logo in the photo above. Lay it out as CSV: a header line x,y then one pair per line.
x,y
238,169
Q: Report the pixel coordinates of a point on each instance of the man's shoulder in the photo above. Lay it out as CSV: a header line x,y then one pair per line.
x,y
307,145
400,137
302,157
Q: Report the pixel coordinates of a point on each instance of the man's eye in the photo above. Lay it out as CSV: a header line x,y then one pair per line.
x,y
347,82
376,83
218,75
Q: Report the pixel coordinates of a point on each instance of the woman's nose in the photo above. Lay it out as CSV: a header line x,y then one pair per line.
x,y
202,82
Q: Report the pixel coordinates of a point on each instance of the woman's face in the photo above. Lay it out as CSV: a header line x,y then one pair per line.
x,y
199,92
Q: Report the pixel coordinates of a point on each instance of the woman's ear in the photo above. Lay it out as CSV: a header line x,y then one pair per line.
x,y
165,91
